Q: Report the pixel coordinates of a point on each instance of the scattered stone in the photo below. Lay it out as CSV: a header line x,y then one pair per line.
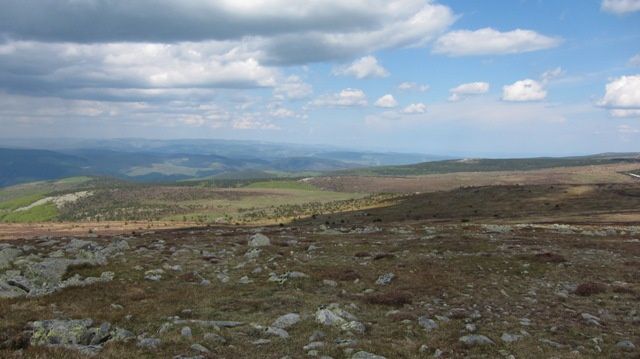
x,y
259,240
277,332
199,348
186,332
626,345
510,338
427,324
476,340
366,355
286,321
149,343
385,279
314,346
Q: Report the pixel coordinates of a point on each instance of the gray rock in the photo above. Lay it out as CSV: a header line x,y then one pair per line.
x,y
317,336
149,343
277,332
261,342
199,348
328,317
259,240
427,324
186,332
366,355
314,346
385,279
591,319
286,321
510,338
626,345
475,340
7,256
353,326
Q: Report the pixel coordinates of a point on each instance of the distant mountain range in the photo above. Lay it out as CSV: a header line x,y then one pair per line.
x,y
171,160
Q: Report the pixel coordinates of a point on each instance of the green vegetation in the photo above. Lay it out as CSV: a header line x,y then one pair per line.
x,y
284,185
42,213
19,202
487,165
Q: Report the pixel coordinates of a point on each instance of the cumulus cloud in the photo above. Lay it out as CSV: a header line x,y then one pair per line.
x,y
524,90
346,98
365,67
281,31
412,86
620,6
65,67
386,101
469,89
293,88
622,95
488,41
415,108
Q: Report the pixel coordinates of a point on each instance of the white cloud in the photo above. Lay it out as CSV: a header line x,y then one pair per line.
x,y
635,61
365,67
386,101
620,6
622,93
468,89
293,88
524,90
412,86
627,130
346,98
415,108
624,113
551,75
488,41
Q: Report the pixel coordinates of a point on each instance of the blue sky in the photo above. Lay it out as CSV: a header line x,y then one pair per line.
x,y
483,78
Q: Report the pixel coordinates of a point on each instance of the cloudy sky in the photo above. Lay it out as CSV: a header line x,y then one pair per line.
x,y
496,77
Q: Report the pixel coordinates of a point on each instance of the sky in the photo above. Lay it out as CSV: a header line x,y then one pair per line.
x,y
460,77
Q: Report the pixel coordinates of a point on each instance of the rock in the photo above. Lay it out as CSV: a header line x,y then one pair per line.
x,y
314,346
149,343
329,318
591,319
223,277
261,342
427,324
353,326
7,256
470,327
199,348
510,338
253,253
245,280
366,355
385,279
475,340
330,283
153,275
61,332
214,338
626,345
259,240
186,332
552,344
75,334
277,332
286,321
317,336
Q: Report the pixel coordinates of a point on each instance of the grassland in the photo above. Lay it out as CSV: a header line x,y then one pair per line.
x,y
491,165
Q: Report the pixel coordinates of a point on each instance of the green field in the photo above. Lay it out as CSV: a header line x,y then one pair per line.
x,y
488,165
262,201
